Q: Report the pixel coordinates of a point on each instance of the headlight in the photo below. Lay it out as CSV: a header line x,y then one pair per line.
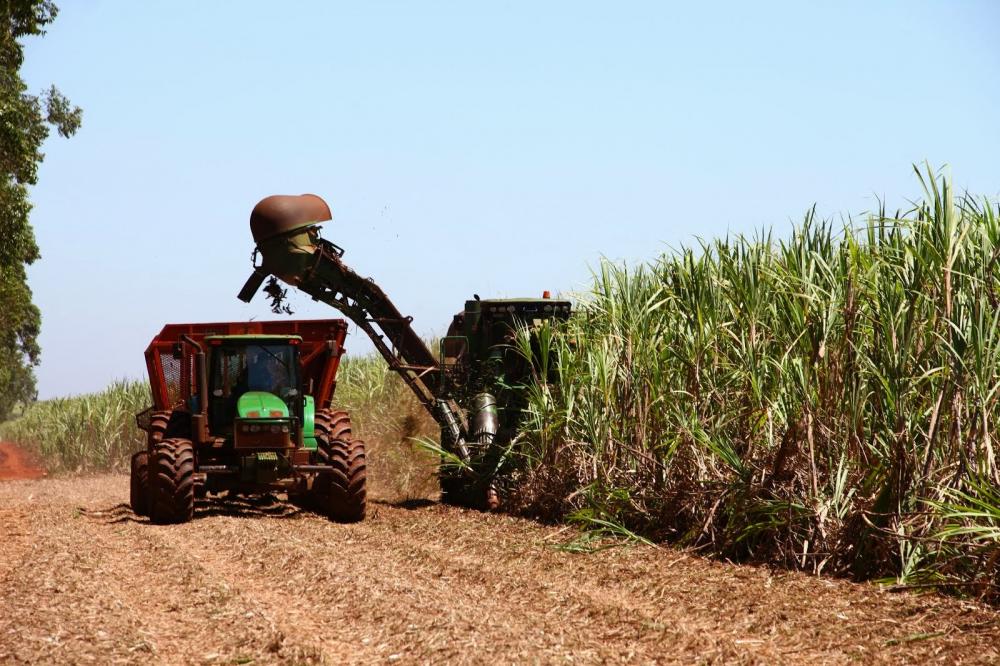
x,y
275,428
255,428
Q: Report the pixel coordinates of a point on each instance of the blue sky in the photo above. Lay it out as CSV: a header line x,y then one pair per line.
x,y
499,148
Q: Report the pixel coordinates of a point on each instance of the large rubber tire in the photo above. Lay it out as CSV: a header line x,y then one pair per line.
x,y
347,492
460,491
166,424
172,482
330,425
139,484
343,490
159,422
455,490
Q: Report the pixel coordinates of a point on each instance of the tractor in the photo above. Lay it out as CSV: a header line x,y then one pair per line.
x,y
246,408
473,387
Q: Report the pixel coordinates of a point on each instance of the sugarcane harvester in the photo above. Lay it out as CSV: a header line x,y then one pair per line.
x,y
470,389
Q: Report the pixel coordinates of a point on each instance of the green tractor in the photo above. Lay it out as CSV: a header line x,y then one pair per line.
x,y
245,408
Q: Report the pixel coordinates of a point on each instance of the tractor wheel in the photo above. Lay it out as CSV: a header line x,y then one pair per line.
x,y
139,484
172,481
348,494
341,491
331,425
158,424
168,423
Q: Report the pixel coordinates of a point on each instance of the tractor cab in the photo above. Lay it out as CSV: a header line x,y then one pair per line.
x,y
254,388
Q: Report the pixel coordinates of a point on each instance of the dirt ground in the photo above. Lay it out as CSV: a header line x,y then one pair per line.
x,y
83,580
16,464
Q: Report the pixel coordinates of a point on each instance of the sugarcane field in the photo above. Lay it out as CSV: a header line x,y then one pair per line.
x,y
461,334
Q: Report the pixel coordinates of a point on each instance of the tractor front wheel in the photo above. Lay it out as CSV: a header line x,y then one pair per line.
x,y
139,484
172,481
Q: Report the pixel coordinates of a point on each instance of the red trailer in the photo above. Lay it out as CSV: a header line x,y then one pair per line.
x,y
171,369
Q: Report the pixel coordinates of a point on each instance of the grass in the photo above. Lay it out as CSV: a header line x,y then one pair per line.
x,y
83,433
827,402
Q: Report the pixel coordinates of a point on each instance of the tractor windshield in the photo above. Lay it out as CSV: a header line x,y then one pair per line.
x,y
237,369
242,368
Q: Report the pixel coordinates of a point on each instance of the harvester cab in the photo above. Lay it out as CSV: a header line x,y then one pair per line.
x,y
472,388
246,408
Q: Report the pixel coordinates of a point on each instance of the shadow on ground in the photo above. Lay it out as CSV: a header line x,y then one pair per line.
x,y
250,506
408,504
256,506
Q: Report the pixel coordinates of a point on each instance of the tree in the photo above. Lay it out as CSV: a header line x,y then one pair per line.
x,y
25,122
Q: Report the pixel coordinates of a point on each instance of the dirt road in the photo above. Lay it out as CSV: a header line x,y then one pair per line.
x,y
16,464
82,580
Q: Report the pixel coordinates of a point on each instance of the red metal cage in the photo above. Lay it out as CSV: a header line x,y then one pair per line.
x,y
171,365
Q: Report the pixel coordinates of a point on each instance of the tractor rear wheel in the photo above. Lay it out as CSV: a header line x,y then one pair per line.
x,y
158,424
172,481
341,491
330,425
347,493
139,484
167,423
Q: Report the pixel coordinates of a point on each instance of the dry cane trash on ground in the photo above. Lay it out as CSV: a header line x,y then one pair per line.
x,y
261,582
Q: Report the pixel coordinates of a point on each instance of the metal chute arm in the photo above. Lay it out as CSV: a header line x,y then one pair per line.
x,y
334,283
313,265
331,281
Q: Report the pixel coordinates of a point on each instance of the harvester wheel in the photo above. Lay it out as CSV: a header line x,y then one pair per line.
x,y
139,484
456,490
459,489
172,481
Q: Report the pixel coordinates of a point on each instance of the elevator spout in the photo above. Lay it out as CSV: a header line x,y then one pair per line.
x,y
286,232
285,229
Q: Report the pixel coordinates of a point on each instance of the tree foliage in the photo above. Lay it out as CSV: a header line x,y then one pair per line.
x,y
25,122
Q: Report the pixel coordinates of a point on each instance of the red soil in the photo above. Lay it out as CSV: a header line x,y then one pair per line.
x,y
16,464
